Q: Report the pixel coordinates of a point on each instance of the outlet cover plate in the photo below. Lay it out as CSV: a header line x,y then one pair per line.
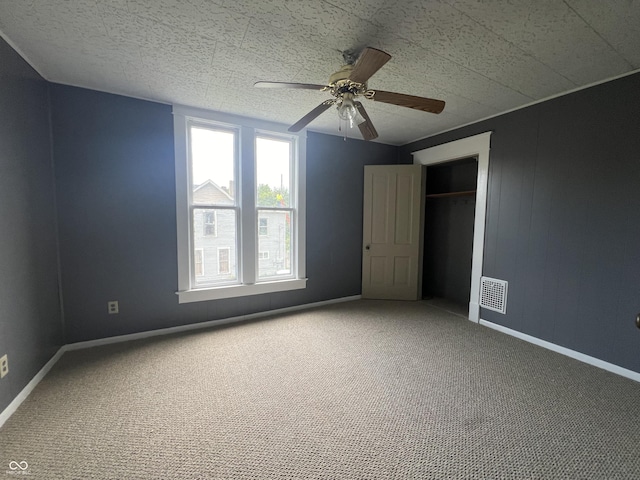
x,y
113,307
4,365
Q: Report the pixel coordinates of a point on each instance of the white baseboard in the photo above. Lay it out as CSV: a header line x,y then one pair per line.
x,y
202,325
474,312
24,393
565,351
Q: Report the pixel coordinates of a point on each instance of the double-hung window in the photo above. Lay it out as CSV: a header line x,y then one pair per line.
x,y
240,206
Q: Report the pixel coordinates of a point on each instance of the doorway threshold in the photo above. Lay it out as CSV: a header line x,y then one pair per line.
x,y
450,306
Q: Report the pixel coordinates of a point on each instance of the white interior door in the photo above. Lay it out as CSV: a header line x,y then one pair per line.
x,y
392,232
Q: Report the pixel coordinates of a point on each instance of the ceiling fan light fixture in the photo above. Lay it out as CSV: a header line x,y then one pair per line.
x,y
348,112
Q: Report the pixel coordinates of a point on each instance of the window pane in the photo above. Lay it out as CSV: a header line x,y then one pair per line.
x,y
215,246
197,263
212,166
263,226
209,221
224,261
273,172
274,248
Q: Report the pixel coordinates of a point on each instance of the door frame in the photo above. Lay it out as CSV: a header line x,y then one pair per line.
x,y
477,146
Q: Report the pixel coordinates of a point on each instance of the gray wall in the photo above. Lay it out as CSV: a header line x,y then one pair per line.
x,y
30,320
335,190
563,220
114,166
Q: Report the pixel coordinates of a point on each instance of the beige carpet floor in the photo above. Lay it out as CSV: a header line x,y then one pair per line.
x,y
365,389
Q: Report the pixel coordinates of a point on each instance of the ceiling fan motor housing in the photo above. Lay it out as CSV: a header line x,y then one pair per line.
x,y
342,74
340,83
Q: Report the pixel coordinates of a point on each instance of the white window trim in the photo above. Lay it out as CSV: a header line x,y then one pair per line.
x,y
249,129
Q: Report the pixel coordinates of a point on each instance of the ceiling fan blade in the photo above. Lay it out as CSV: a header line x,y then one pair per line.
x,y
367,129
306,86
368,63
419,103
312,115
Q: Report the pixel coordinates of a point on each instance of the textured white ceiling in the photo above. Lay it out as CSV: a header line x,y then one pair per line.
x,y
481,57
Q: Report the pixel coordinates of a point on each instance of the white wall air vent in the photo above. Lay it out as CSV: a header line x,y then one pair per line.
x,y
493,294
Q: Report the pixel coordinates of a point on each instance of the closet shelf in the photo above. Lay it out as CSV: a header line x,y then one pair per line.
x,y
451,194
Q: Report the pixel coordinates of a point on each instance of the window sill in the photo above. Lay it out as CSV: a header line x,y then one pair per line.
x,y
232,291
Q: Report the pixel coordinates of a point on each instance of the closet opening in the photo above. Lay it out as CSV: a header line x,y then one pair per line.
x,y
448,234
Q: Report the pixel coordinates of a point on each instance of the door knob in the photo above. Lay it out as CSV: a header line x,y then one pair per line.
x,y
638,320
368,247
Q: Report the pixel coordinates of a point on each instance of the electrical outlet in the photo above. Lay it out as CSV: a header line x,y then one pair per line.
x,y
4,365
113,306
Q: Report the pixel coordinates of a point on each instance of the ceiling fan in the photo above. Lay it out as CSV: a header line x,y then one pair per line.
x,y
350,82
